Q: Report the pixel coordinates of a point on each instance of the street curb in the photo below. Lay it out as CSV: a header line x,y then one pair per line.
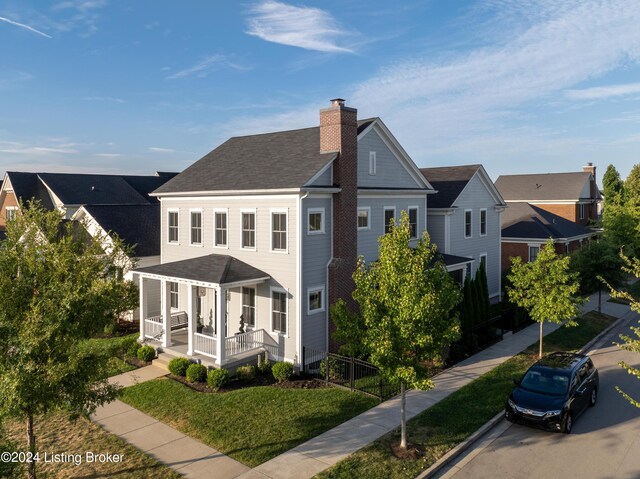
x,y
454,453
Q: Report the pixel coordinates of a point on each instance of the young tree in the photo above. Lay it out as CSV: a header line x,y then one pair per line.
x,y
545,288
59,288
621,224
612,186
632,186
407,308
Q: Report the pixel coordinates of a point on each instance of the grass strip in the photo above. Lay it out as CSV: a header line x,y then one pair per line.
x,y
452,420
252,425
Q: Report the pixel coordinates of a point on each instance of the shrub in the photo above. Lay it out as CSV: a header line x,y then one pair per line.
x,y
130,347
217,378
264,367
196,373
282,371
146,353
246,373
178,366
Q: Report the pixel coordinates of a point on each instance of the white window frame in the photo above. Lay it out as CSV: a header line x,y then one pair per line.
x,y
581,211
486,258
11,208
417,209
174,294
279,211
532,245
373,167
464,224
255,307
271,311
367,209
177,227
218,211
483,210
310,291
251,211
310,212
191,211
384,217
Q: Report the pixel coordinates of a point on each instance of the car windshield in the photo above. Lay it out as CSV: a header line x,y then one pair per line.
x,y
545,382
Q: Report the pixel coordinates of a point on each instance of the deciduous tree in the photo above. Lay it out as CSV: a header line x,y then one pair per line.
x,y
612,185
58,288
545,287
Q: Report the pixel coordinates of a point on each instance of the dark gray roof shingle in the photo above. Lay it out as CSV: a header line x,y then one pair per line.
x,y
544,186
449,181
81,189
522,220
213,268
27,186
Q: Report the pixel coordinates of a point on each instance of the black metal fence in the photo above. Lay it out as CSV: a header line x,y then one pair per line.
x,y
477,338
347,372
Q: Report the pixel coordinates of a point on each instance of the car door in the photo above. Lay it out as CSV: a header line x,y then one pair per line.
x,y
582,388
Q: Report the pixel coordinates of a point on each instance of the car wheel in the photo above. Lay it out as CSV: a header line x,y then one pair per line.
x,y
594,397
567,423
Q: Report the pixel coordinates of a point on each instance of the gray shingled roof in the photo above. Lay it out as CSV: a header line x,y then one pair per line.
x,y
81,189
213,268
522,220
449,181
544,186
136,225
284,159
27,186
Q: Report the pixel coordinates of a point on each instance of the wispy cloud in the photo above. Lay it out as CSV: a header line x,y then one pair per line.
x,y
26,27
103,98
157,149
108,155
79,15
206,66
17,148
603,92
305,27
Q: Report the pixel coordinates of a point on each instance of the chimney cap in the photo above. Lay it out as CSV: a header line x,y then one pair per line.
x,y
337,102
589,163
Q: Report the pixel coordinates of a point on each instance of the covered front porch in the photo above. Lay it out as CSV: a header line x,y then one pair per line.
x,y
184,308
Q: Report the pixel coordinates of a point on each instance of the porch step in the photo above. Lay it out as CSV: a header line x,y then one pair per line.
x,y
162,361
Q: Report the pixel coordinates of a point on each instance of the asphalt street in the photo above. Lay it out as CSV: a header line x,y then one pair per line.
x,y
604,443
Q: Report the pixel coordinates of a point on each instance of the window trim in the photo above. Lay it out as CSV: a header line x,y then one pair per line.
x,y
273,211
384,219
175,294
373,163
255,307
191,211
417,209
486,261
470,224
274,289
532,245
581,211
217,211
254,212
316,289
311,211
368,210
486,219
169,211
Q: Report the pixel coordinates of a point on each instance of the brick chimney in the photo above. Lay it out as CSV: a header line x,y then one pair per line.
x,y
339,133
593,188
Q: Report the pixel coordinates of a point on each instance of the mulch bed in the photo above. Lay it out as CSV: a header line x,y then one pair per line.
x,y
411,453
260,380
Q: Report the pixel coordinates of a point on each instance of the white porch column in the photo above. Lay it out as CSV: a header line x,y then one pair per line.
x,y
166,313
143,307
221,310
191,312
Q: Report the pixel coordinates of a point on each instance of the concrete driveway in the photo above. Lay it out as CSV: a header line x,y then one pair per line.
x,y
604,443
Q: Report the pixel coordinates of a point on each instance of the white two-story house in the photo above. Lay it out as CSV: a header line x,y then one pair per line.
x,y
265,230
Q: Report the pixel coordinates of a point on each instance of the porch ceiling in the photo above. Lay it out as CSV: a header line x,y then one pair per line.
x,y
213,269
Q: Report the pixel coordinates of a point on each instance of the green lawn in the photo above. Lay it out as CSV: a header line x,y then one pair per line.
x,y
115,349
252,425
449,422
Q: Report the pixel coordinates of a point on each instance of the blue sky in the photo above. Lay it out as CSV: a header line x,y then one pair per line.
x,y
518,85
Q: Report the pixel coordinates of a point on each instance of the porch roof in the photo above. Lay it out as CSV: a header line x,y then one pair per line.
x,y
213,269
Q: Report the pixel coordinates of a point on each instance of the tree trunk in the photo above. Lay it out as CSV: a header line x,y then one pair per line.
x,y
31,440
600,301
403,417
540,352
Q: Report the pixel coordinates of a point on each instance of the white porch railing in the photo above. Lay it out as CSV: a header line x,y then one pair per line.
x,y
153,327
204,344
242,343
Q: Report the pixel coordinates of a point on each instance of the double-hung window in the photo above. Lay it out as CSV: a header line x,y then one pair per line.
x,y
249,306
173,226
413,222
483,222
533,252
363,218
220,218
196,228
173,295
249,229
389,215
278,231
467,223
279,311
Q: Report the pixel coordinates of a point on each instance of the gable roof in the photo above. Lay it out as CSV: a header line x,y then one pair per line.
x,y
543,186
27,186
213,268
136,225
523,220
449,181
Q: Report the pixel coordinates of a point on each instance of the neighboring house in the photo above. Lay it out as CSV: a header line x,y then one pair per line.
x,y
525,228
464,219
573,196
266,229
